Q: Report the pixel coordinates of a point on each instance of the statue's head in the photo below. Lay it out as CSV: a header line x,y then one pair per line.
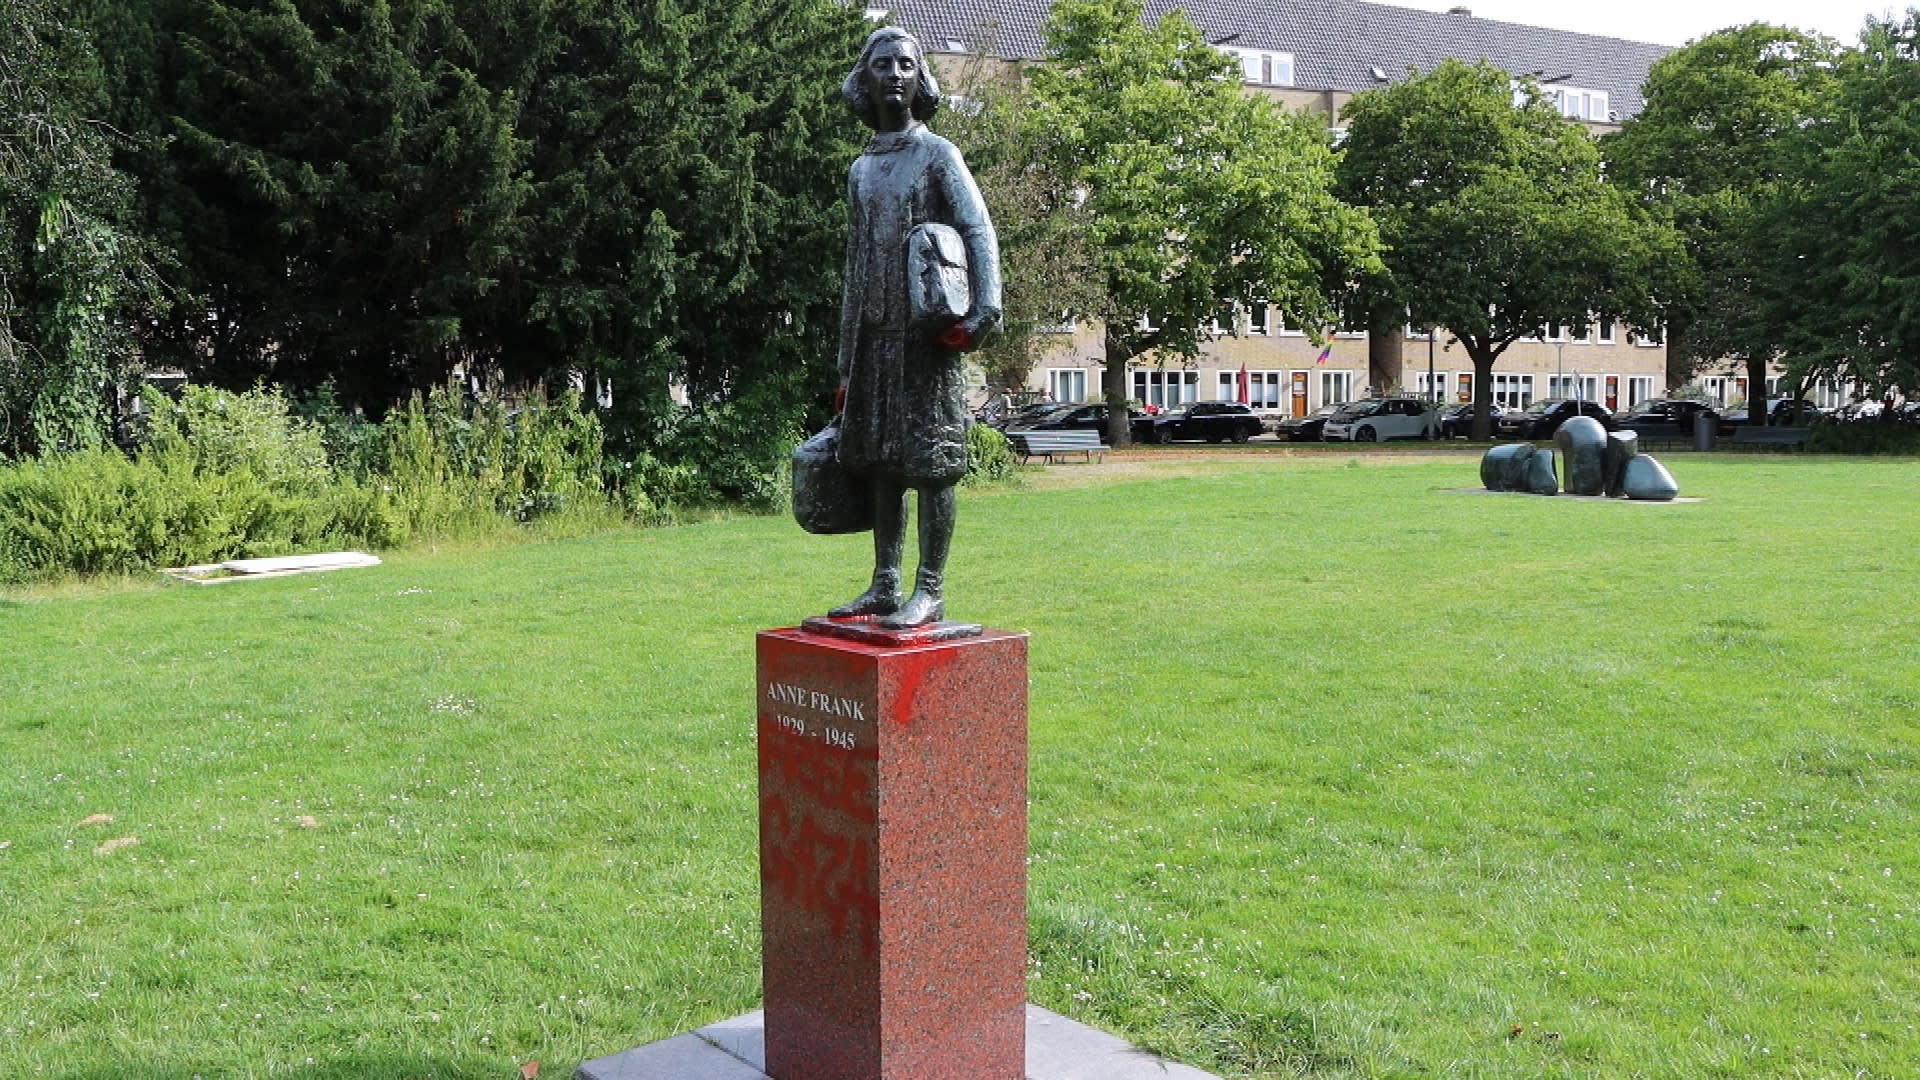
x,y
865,81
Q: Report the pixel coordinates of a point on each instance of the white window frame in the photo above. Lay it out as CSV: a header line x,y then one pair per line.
x,y
1336,386
1263,67
1259,320
1441,388
1062,382
1266,388
1512,391
1639,389
1604,332
1165,387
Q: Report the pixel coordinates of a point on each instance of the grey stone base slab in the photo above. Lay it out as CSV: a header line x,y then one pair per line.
x,y
1057,1049
1684,500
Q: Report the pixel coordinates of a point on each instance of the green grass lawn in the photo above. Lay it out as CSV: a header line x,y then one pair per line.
x,y
1335,773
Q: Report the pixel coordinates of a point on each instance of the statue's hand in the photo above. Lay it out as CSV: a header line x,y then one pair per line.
x,y
958,337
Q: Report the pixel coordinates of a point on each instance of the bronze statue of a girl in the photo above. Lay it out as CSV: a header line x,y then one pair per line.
x,y
922,288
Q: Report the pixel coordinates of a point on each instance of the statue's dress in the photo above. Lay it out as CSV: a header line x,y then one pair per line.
x,y
906,413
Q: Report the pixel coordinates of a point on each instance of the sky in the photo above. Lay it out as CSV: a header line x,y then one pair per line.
x,y
1674,22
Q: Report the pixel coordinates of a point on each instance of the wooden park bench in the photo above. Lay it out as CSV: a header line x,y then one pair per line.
x,y
1051,444
1769,438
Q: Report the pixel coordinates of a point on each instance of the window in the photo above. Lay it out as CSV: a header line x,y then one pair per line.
x,y
1257,319
1575,103
1436,390
1716,388
1557,332
1603,331
1263,67
1263,388
1066,325
1639,389
1067,384
878,14
1652,340
1513,391
1336,387
1289,326
1165,388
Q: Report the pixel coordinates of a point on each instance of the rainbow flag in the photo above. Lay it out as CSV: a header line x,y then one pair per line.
x,y
1324,353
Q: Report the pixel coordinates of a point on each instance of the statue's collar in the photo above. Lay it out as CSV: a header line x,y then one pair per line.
x,y
887,142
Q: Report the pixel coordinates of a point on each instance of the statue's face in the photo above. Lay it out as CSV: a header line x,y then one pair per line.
x,y
893,74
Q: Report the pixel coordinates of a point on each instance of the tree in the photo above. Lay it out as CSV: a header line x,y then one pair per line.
x,y
1046,252
1196,196
341,186
687,223
1495,215
1708,153
1844,262
74,273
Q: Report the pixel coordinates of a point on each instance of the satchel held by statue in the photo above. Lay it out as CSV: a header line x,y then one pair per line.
x,y
937,287
827,499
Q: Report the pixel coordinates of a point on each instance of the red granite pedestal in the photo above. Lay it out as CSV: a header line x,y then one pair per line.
x,y
893,839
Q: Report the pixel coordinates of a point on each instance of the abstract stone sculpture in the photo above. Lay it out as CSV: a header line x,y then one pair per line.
x,y
904,418
1504,468
1648,480
1540,478
1615,460
1519,467
1621,445
1583,447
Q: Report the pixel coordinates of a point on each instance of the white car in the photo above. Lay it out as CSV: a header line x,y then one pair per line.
x,y
1379,419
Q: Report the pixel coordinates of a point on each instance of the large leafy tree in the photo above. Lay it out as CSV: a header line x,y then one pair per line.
x,y
1709,153
74,272
1844,261
1496,216
687,221
1197,196
342,186
1046,247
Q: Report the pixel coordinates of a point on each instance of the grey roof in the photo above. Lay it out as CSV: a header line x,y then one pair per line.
x,y
1336,44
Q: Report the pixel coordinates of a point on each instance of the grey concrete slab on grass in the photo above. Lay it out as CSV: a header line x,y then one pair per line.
x,y
1057,1049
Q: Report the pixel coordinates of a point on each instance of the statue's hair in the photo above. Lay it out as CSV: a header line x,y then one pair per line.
x,y
854,88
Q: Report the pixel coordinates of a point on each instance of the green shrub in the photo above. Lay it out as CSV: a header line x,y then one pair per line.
x,y
990,457
1864,437
221,432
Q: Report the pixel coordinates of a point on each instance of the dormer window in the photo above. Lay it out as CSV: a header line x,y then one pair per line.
x,y
878,14
1577,104
1263,67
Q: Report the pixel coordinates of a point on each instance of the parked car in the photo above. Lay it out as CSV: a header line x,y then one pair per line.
x,y
1379,419
1672,418
1307,428
1027,415
1087,417
1214,421
1542,418
1456,421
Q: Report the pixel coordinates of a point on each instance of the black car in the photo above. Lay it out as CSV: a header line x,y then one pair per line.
x,y
1306,428
1027,416
1083,417
1542,418
1214,421
1456,421
1671,418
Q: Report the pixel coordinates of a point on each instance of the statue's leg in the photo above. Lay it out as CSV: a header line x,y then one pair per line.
x,y
938,505
889,534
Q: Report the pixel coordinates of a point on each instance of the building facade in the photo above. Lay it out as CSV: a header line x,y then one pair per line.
x,y
1316,56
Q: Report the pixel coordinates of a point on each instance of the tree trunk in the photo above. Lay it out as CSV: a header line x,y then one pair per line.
x,y
1483,359
1119,421
1759,406
1385,362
